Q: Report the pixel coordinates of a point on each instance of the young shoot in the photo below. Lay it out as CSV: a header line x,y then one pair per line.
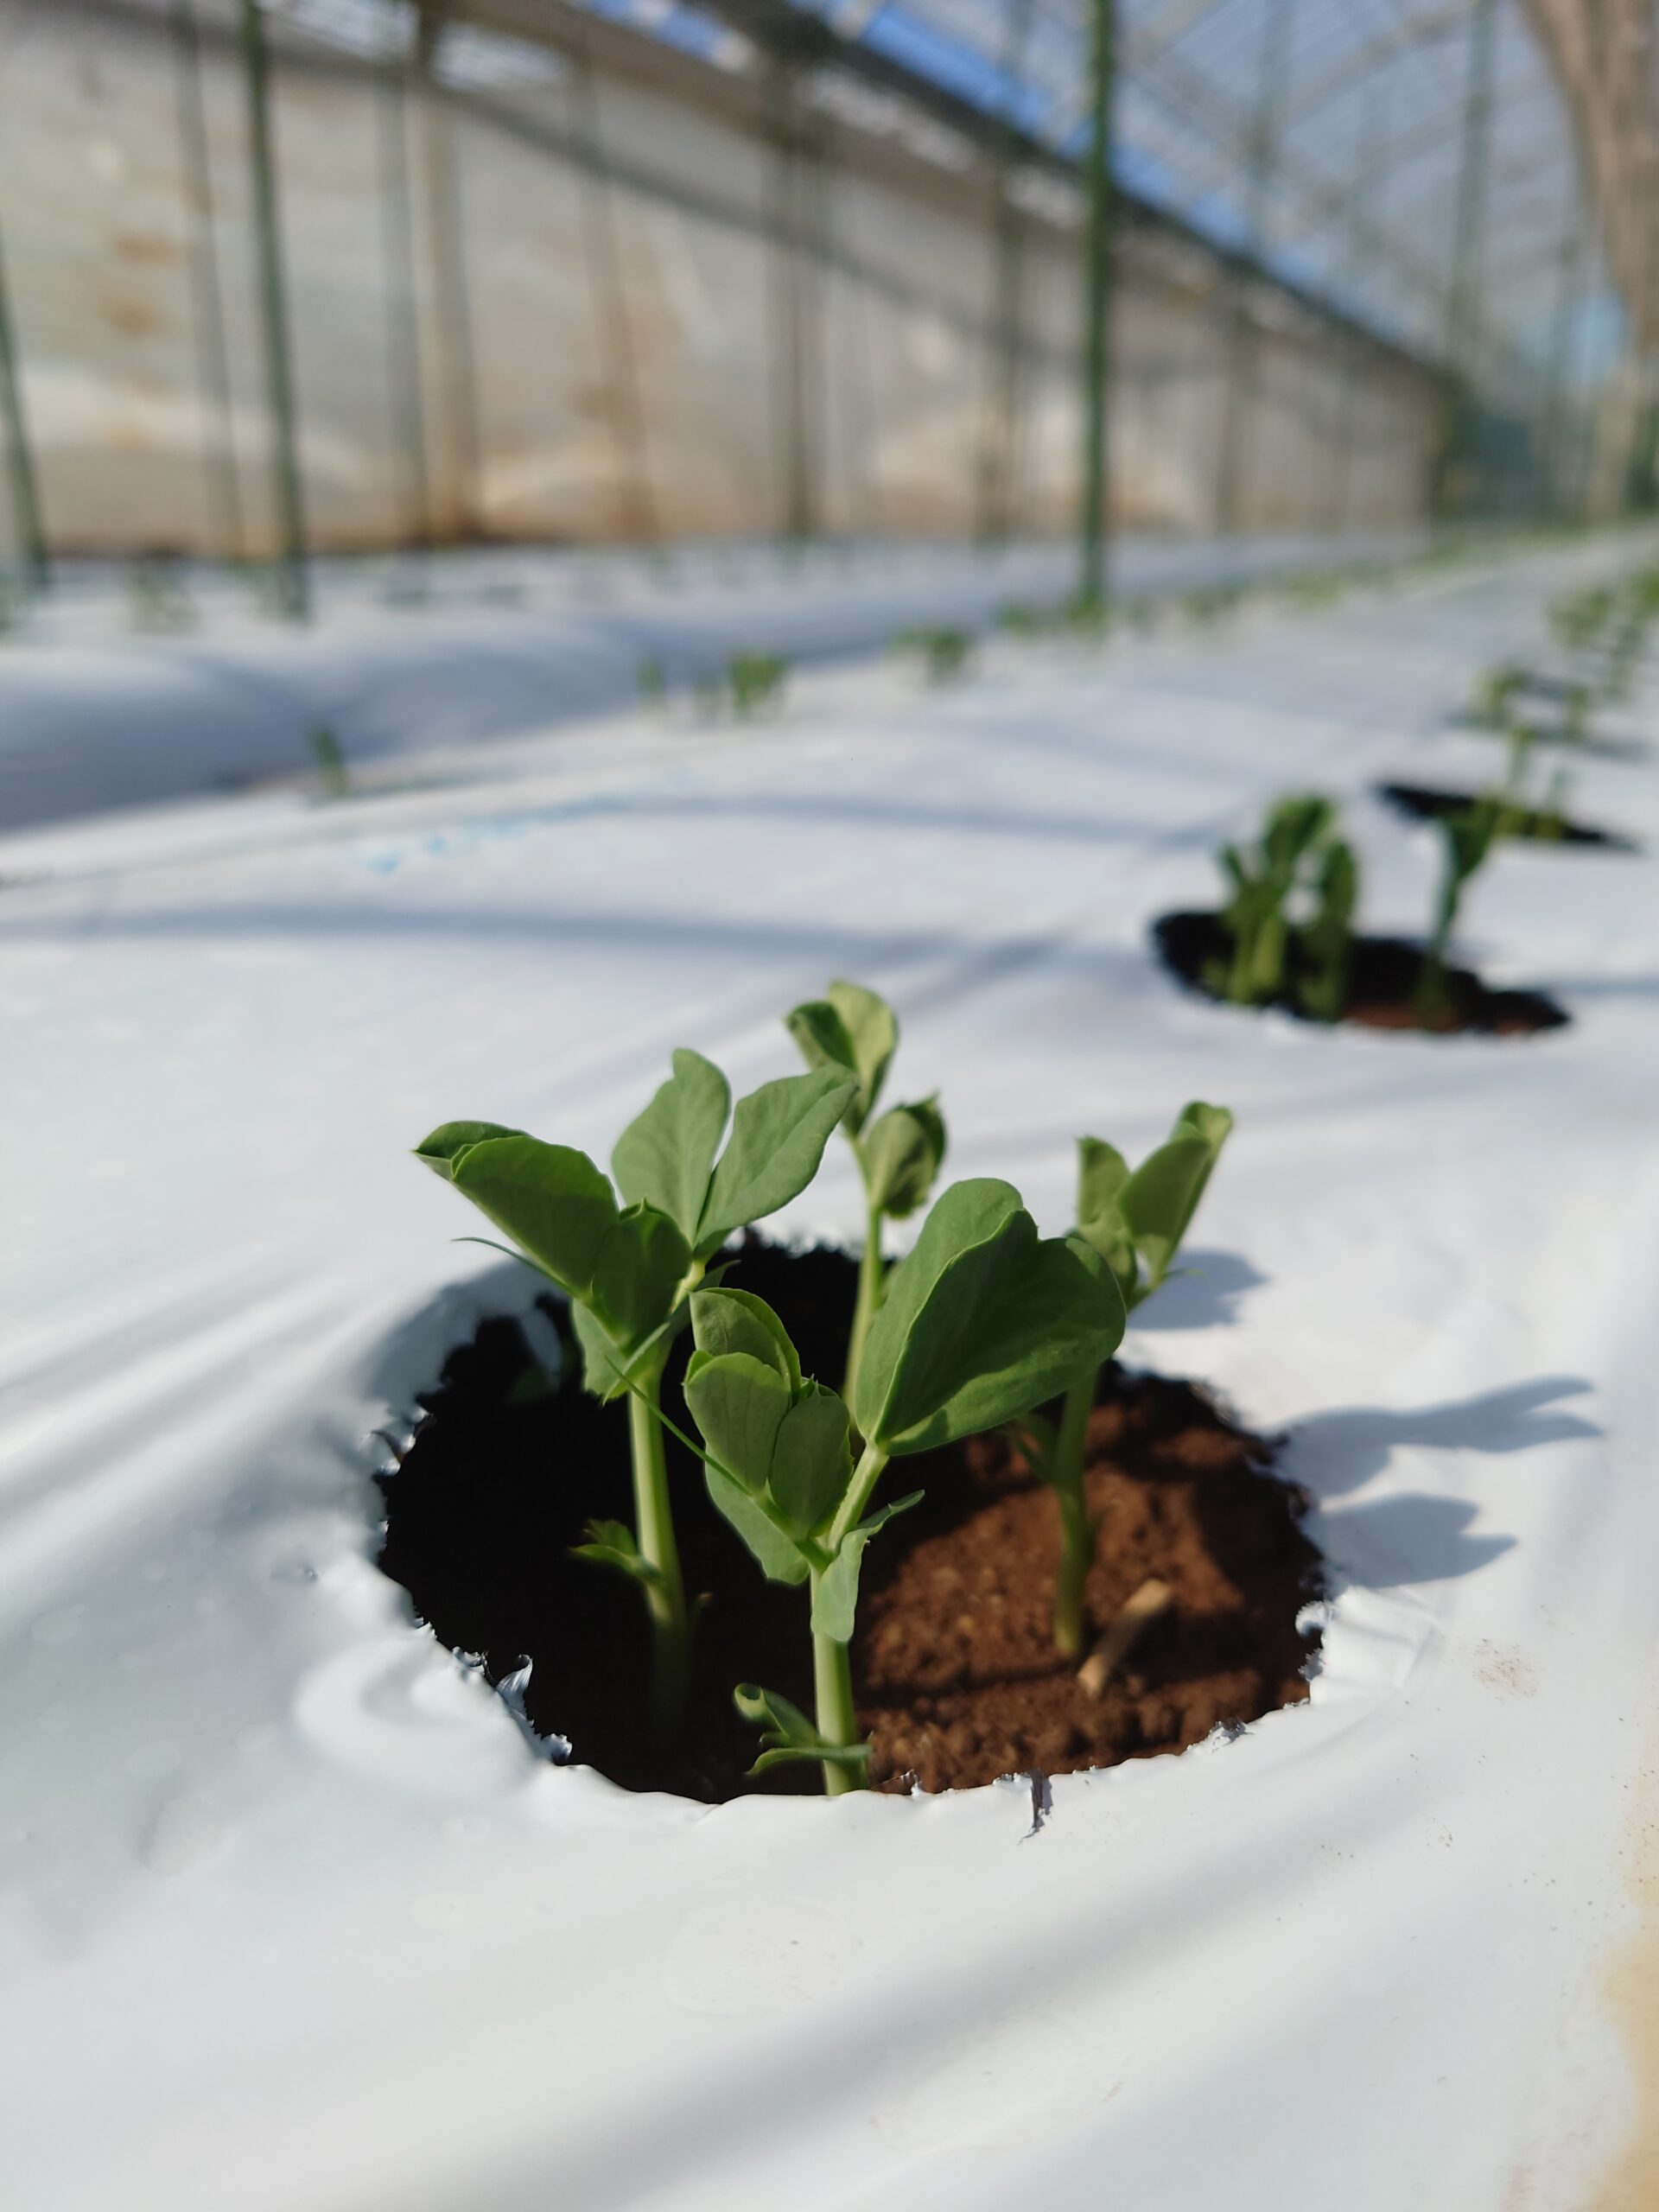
x,y
1260,881
1135,1222
328,757
1495,693
629,1254
1468,837
943,651
756,681
899,1155
983,1320
1326,941
653,681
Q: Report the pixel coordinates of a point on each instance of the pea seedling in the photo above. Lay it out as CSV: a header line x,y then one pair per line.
x,y
1326,941
1261,881
329,757
1135,1222
1468,837
856,1032
628,1259
943,651
983,1320
756,681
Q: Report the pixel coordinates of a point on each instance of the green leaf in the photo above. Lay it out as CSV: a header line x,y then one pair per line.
x,y
611,1543
640,1266
788,1733
735,1320
608,1367
901,1154
779,1557
982,1321
450,1139
739,1403
818,1754
852,1028
1159,1199
666,1155
811,1462
551,1201
778,1133
1101,1173
834,1594
873,1028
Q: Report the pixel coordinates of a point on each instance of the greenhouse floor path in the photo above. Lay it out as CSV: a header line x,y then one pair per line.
x,y
292,1909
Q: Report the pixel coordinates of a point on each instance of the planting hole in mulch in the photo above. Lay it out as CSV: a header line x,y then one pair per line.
x,y
954,1668
1383,978
1423,803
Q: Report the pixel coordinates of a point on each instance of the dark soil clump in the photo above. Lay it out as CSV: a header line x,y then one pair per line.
x,y
1381,982
954,1667
1423,803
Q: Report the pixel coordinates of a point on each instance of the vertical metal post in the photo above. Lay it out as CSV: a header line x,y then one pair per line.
x,y
404,381
19,459
797,515
1463,307
293,581
456,378
999,431
1238,400
206,304
1569,269
1364,194
1098,302
637,500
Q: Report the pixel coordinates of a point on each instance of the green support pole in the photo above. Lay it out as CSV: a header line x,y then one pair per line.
x,y
1569,269
793,310
1239,398
602,252
19,459
206,304
404,381
1363,195
1098,302
998,439
455,378
1463,307
293,580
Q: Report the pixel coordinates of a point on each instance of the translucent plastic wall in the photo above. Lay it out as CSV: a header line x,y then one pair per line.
x,y
588,297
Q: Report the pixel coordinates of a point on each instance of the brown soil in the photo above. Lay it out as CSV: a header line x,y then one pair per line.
x,y
1383,979
955,1671
1423,803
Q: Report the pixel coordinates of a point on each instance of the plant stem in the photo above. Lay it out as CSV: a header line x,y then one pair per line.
x,y
832,1672
866,1475
1077,1528
653,1525
870,1274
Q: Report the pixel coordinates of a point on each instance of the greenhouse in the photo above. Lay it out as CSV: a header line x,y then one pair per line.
x,y
829,887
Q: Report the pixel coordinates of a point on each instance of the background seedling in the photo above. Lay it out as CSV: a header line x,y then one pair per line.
x,y
943,651
899,1156
653,681
983,1320
1467,840
328,755
1327,939
756,681
1136,1223
629,1257
1260,881
159,599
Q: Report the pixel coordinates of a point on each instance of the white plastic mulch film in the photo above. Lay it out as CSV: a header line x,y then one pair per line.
x,y
603,273
292,1912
